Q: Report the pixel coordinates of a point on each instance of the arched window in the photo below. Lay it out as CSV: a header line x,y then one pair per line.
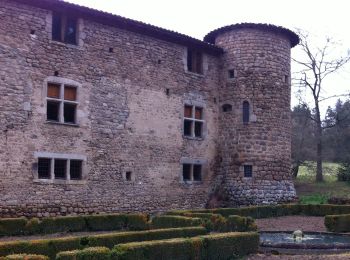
x,y
246,111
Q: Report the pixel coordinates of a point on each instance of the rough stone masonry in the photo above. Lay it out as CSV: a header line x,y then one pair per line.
x,y
99,113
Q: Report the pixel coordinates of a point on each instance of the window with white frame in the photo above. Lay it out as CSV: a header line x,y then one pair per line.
x,y
60,167
193,121
61,103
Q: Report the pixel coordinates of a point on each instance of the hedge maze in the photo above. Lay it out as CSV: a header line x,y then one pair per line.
x,y
226,233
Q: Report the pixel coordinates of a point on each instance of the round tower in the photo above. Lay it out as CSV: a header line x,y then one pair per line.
x,y
255,120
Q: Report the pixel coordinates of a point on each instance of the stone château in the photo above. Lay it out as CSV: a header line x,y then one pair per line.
x,y
100,113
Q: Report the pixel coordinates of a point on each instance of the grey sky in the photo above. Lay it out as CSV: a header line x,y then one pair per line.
x,y
196,18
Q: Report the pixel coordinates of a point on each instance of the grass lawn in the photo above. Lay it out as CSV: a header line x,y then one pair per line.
x,y
311,192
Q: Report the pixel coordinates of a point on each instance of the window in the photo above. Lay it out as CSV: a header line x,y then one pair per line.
x,y
61,103
60,169
193,121
191,172
194,61
246,111
231,73
248,171
226,108
64,29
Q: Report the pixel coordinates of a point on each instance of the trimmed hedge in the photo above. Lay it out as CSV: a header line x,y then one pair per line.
x,y
275,210
217,246
50,247
22,226
24,257
337,223
93,253
175,221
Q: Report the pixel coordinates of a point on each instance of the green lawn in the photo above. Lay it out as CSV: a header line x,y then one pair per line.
x,y
311,192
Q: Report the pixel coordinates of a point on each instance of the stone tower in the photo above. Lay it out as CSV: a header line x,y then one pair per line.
x,y
255,126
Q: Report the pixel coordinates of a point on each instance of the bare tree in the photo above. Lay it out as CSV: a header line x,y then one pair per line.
x,y
316,64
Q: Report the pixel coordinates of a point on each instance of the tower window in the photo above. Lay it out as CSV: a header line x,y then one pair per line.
x,y
246,111
231,73
226,108
191,172
248,171
194,61
64,29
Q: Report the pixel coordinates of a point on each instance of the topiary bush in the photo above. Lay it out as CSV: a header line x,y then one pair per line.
x,y
62,224
24,257
12,226
174,221
93,253
337,223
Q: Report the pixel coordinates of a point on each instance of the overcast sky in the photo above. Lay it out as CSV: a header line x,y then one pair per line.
x,y
196,18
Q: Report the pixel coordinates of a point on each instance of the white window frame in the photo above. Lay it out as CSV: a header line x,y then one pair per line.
x,y
68,157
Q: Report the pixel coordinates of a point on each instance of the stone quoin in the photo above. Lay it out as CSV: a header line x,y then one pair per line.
x,y
100,113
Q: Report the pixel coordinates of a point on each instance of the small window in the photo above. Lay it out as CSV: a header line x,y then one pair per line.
x,y
248,171
191,172
246,111
61,103
44,168
286,78
75,169
194,61
193,121
231,74
128,176
64,29
226,108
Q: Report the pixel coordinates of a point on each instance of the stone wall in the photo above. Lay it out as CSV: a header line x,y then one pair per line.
x,y
127,122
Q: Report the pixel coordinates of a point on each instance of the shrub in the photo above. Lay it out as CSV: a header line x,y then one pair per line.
x,y
110,240
338,223
105,222
175,221
32,226
338,201
93,253
25,257
12,226
344,172
62,224
218,246
239,223
137,221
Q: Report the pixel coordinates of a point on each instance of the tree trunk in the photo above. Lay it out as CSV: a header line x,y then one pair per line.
x,y
319,173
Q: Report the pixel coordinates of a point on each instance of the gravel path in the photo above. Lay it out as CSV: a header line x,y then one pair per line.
x,y
292,223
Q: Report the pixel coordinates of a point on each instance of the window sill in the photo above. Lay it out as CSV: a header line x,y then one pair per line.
x,y
193,138
199,75
59,123
69,45
57,181
191,182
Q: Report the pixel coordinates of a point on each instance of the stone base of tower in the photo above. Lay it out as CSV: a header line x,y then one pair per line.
x,y
244,192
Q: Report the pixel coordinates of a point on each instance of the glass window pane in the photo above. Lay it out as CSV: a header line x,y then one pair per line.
x,y
75,169
53,90
189,60
56,27
188,111
44,168
60,169
71,31
186,172
246,111
188,127
248,170
199,113
198,129
52,113
197,172
69,113
70,93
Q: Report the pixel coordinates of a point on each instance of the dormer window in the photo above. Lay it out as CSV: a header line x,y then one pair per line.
x,y
194,61
64,29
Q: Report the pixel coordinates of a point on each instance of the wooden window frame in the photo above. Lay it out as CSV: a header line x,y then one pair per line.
x,y
195,61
